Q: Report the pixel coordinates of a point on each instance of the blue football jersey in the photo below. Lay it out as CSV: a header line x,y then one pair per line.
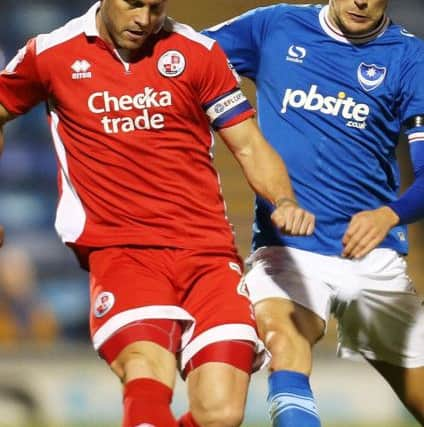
x,y
333,108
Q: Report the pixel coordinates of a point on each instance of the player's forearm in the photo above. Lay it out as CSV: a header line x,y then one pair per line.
x,y
1,151
410,206
266,173
1,139
5,116
263,167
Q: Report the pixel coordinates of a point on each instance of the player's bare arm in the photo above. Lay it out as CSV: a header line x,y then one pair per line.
x,y
267,175
4,117
366,230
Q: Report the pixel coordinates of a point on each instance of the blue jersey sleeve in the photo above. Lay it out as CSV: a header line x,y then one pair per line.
x,y
410,206
412,82
241,38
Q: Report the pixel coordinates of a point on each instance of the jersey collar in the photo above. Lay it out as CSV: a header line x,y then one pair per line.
x,y
336,34
89,21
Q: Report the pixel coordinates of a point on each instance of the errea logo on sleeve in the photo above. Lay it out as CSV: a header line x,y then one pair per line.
x,y
80,68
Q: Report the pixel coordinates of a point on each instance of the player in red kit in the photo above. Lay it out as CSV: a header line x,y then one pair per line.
x,y
132,96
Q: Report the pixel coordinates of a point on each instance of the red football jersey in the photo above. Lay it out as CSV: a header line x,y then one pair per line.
x,y
133,140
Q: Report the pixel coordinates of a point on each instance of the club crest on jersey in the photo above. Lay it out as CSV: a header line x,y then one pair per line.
x,y
371,76
103,303
171,63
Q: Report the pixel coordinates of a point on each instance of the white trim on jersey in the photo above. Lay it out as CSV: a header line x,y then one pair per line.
x,y
218,178
415,137
336,34
142,313
70,215
16,60
89,21
85,24
185,30
228,332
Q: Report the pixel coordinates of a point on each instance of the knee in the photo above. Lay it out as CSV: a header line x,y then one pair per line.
x,y
289,350
133,364
218,412
144,361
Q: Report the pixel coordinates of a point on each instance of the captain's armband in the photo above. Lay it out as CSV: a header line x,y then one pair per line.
x,y
414,122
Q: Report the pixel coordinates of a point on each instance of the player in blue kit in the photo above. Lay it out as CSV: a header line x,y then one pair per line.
x,y
335,85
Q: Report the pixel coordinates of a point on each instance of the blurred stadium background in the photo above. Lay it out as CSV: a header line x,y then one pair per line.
x,y
49,375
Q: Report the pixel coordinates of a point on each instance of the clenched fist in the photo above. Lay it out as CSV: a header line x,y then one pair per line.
x,y
291,219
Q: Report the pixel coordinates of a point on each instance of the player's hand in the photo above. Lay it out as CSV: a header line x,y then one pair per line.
x,y
291,219
1,236
366,231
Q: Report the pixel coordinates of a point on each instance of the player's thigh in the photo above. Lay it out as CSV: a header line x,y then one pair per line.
x,y
222,311
381,316
217,391
135,319
289,291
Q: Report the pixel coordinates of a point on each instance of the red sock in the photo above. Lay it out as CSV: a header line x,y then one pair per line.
x,y
187,420
147,401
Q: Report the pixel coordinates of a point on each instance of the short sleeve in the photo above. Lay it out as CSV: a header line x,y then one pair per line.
x,y
412,84
220,95
20,85
242,37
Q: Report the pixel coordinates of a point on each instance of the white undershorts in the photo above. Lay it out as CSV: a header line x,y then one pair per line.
x,y
378,311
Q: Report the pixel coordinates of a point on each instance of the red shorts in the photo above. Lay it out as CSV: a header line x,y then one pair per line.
x,y
202,293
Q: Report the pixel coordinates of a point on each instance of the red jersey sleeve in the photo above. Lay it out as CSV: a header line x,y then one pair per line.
x,y
21,87
220,95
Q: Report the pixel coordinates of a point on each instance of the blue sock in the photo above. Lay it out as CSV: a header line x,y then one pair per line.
x,y
290,400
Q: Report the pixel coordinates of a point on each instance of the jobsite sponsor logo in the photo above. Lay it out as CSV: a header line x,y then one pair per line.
x,y
342,105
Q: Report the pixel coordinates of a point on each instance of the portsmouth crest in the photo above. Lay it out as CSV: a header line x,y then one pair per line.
x,y
371,76
103,303
171,63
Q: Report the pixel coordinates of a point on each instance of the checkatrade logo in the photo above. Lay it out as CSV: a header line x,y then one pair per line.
x,y
129,113
344,106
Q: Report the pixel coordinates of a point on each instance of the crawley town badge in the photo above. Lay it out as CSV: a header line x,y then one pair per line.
x,y
104,302
171,63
